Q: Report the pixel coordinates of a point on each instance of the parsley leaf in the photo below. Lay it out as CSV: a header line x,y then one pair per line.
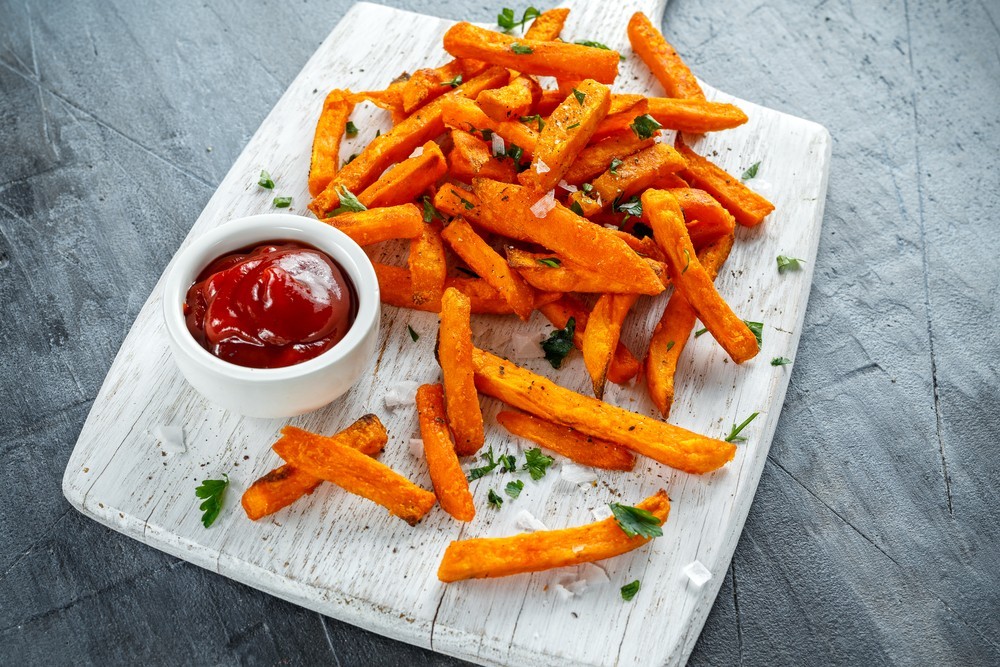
x,y
212,491
788,264
576,208
645,126
467,204
559,343
482,471
348,202
751,172
508,462
574,125
550,262
429,211
734,435
537,463
615,163
580,97
758,331
596,45
515,152
532,119
505,19
700,332
780,361
587,188
670,345
454,83
413,334
633,207
629,590
495,500
265,180
351,129
521,49
636,521
687,256
282,202
514,488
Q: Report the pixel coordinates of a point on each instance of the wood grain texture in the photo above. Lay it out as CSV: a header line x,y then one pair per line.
x,y
856,549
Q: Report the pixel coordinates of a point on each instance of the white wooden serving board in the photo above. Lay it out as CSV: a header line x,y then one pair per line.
x,y
346,557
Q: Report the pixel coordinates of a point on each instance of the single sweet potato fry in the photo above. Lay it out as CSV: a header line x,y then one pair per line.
x,y
407,180
600,338
548,25
398,143
627,178
624,365
333,118
428,266
692,280
661,58
546,272
483,557
396,289
748,207
695,115
455,357
543,58
284,485
359,474
514,100
464,114
490,266
447,476
380,224
596,158
566,133
670,445
706,220
470,157
673,331
670,182
549,101
430,83
568,442
390,99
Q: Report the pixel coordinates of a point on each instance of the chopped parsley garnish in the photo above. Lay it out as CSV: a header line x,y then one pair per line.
x,y
467,204
482,471
780,361
615,163
282,202
495,500
597,45
632,207
514,488
559,343
788,264
351,129
552,262
532,119
758,331
751,172
576,208
687,263
537,463
629,590
515,152
580,97
521,49
350,159
348,202
636,521
505,19
734,435
413,334
508,462
587,188
700,332
265,180
645,126
574,125
429,211
641,230
211,491
670,345
454,83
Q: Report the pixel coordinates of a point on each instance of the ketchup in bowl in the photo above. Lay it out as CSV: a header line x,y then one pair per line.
x,y
270,306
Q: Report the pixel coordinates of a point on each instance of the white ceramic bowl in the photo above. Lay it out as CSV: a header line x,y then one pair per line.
x,y
273,392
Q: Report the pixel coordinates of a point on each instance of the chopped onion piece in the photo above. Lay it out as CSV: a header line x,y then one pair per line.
x,y
541,208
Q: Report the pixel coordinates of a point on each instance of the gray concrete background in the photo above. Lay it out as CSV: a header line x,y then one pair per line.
x,y
874,537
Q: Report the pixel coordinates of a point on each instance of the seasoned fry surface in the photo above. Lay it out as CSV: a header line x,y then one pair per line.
x,y
455,357
447,475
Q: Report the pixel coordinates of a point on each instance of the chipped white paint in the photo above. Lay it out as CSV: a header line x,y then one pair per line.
x,y
347,558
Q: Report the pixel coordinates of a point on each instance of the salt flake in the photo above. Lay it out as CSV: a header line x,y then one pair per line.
x,y
499,148
171,438
697,573
402,393
416,446
567,187
541,208
527,522
541,167
526,346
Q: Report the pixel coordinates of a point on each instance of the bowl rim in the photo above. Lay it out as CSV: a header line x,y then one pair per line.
x,y
238,233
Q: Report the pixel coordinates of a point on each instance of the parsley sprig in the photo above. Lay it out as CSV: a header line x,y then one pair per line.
x,y
645,126
552,262
780,361
531,119
514,488
751,172
265,181
559,343
211,491
629,590
636,521
788,264
505,19
494,499
597,45
536,463
734,435
454,83
348,203
521,49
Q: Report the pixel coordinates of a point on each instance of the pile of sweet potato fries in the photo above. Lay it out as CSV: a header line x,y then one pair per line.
x,y
541,195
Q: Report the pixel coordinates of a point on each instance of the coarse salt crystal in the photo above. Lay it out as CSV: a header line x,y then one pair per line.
x,y
171,438
563,592
576,474
417,152
526,521
697,573
541,208
526,345
578,587
567,187
610,226
541,167
602,512
761,187
416,448
402,393
578,548
593,574
499,148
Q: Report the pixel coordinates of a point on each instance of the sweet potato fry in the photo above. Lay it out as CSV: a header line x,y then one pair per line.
x,y
333,118
666,443
596,158
284,485
398,143
453,200
629,177
430,83
407,180
706,220
618,123
661,58
748,207
600,338
567,132
359,474
483,557
471,157
447,476
624,365
669,182
464,114
692,280
506,209
568,442
673,331
396,289
490,266
380,224
512,101
455,357
548,25
558,59
548,102
390,99
695,115
538,271
428,266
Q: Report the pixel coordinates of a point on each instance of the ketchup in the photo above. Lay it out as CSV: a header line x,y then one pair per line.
x,y
270,306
